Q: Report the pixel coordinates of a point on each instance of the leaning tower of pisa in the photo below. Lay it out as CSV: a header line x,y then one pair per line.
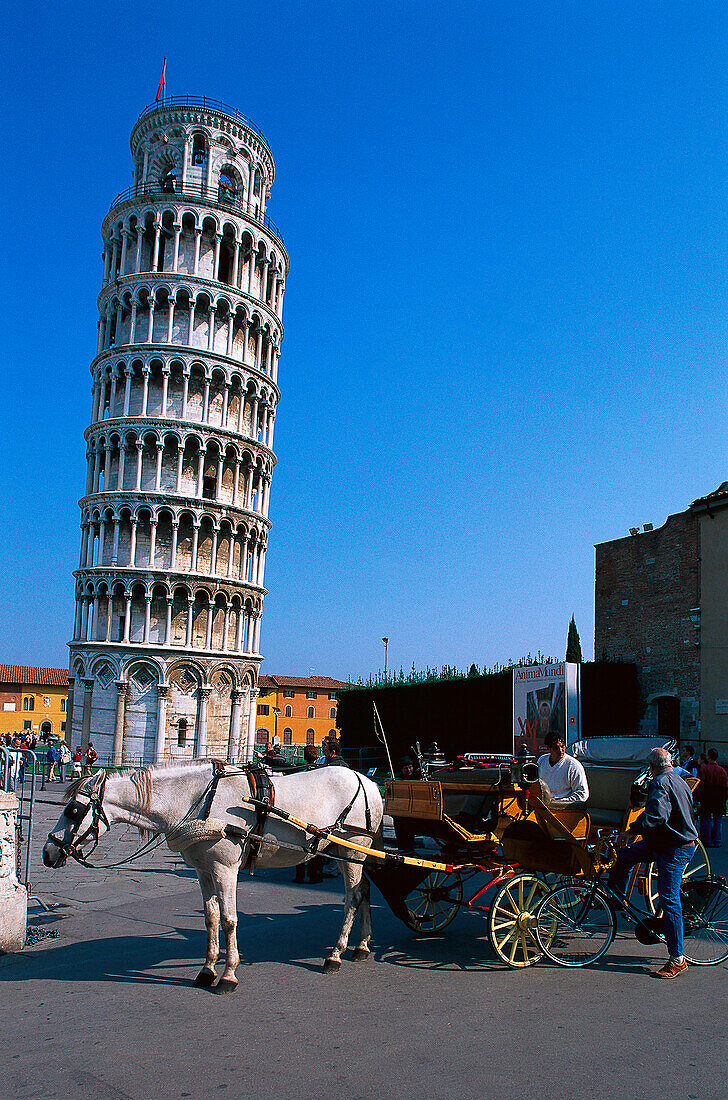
x,y
169,590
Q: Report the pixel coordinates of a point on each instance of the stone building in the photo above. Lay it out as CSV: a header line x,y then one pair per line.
x,y
302,710
661,600
169,591
33,700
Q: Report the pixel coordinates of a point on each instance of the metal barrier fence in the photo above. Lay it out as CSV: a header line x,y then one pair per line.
x,y
18,771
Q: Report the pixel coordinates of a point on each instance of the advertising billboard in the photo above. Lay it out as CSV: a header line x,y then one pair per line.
x,y
545,700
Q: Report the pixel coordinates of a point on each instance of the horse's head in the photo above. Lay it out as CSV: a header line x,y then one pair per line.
x,y
81,824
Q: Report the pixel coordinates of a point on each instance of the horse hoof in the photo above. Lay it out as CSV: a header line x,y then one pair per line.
x,y
331,966
361,954
205,979
225,986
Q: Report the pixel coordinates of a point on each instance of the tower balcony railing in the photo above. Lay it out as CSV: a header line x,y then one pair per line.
x,y
206,104
219,196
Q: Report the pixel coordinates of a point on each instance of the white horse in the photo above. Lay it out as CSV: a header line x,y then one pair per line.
x,y
212,825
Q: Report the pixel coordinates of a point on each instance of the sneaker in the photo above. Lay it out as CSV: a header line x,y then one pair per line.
x,y
671,969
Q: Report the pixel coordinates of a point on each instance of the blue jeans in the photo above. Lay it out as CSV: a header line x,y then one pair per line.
x,y
711,829
671,864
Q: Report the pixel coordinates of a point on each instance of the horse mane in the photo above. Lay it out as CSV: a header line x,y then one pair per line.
x,y
73,787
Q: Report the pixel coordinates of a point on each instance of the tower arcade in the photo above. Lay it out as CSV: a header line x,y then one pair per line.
x,y
169,591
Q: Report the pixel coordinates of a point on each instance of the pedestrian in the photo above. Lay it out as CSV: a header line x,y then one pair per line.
x,y
688,760
51,760
91,758
76,763
713,793
64,760
332,753
668,840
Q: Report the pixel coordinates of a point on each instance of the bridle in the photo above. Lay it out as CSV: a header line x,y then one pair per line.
x,y
77,812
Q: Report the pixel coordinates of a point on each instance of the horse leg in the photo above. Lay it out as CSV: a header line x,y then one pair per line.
x,y
352,901
226,886
362,950
208,974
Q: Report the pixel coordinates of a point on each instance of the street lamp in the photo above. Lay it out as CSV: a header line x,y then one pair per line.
x,y
276,712
386,643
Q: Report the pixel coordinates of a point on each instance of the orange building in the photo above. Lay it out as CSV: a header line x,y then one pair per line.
x,y
33,700
301,710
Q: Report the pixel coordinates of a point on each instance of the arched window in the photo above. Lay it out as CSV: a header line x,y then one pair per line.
x,y
333,733
261,737
29,702
310,737
287,737
332,712
181,733
199,148
311,712
226,189
63,706
288,712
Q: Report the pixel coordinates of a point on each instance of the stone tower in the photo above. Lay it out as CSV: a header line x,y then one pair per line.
x,y
169,590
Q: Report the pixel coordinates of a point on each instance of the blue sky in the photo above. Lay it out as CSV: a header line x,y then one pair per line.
x,y
505,317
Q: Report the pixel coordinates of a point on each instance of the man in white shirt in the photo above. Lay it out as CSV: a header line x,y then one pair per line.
x,y
563,775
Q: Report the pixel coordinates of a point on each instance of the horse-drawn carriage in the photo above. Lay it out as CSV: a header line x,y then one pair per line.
x,y
502,836
541,866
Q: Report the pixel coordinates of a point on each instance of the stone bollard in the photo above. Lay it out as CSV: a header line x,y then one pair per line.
x,y
13,896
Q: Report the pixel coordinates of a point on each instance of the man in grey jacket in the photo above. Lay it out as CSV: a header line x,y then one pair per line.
x,y
669,836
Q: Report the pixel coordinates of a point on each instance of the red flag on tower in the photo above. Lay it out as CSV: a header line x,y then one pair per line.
x,y
162,82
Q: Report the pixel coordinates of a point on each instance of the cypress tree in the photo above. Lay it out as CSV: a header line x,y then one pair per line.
x,y
573,644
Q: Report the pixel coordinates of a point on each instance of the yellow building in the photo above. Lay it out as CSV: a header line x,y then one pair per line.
x,y
300,710
33,700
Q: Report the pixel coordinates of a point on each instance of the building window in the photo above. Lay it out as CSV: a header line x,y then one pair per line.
x,y
288,694
63,727
198,150
261,737
310,694
332,712
29,702
333,733
26,724
63,706
310,737
311,713
332,695
287,737
288,713
46,700
263,708
181,733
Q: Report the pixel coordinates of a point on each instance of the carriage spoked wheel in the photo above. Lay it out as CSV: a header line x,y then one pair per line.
x,y
512,910
698,868
433,904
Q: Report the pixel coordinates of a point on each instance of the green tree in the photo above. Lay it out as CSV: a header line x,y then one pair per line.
x,y
573,644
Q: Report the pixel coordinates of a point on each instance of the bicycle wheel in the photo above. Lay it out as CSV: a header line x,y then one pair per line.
x,y
433,904
705,921
574,925
698,867
510,916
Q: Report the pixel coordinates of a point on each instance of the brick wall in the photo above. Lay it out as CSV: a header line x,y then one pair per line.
x,y
647,595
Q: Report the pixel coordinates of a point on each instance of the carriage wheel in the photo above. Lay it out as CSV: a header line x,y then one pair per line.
x,y
508,923
432,905
697,868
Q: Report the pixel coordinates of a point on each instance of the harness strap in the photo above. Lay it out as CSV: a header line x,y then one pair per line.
x,y
263,797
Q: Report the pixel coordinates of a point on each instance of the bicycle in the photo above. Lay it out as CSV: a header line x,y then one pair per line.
x,y
575,923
